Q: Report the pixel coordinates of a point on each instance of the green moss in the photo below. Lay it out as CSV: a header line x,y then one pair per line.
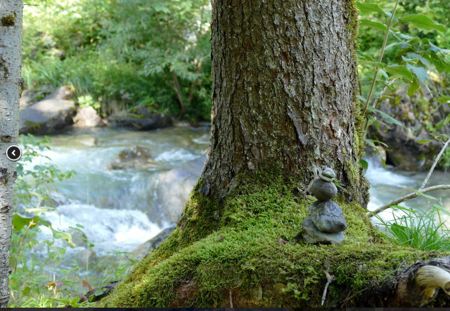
x,y
352,19
251,255
8,20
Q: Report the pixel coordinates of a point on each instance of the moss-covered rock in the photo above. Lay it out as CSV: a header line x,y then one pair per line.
x,y
243,253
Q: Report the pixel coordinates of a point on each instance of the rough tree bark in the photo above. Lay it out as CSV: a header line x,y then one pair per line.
x,y
285,86
284,104
10,87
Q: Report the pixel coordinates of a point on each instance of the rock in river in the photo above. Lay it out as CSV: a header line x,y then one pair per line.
x,y
50,115
134,158
87,117
141,119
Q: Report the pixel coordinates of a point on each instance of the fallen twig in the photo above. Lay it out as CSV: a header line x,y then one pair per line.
x,y
330,279
407,197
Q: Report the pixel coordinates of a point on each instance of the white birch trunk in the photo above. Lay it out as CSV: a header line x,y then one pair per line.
x,y
10,88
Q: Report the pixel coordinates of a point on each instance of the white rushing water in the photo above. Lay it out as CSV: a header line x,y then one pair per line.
x,y
121,209
108,229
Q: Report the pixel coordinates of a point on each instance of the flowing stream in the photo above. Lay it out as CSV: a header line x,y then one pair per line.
x,y
121,209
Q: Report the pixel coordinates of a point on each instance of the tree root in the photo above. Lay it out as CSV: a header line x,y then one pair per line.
x,y
420,284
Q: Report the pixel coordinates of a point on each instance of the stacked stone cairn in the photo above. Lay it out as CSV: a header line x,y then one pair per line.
x,y
325,223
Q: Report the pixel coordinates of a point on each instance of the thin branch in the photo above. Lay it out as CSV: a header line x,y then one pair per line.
x,y
230,293
178,92
330,279
407,197
434,164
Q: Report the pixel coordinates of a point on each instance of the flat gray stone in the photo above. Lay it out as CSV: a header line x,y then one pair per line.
x,y
48,116
327,217
312,235
323,190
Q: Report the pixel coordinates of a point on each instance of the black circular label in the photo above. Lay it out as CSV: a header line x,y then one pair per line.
x,y
13,153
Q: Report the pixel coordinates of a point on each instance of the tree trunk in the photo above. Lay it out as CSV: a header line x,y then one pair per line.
x,y
10,87
284,104
285,86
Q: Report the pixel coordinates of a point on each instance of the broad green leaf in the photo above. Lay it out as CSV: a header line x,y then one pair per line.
x,y
19,222
419,72
364,164
439,62
423,141
413,87
64,236
415,56
387,118
400,45
443,99
372,24
435,48
423,22
400,71
383,73
368,8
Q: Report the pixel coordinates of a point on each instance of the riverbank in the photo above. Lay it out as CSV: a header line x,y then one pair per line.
x,y
118,210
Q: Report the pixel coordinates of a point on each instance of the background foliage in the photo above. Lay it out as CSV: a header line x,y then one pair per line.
x,y
122,53
119,54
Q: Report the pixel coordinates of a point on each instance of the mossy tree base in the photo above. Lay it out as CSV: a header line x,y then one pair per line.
x,y
248,258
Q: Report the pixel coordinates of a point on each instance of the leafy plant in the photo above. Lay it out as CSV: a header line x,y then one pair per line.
x,y
132,52
41,274
425,231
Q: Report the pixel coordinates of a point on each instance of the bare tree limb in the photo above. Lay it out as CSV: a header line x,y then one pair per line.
x,y
438,157
178,92
422,188
407,197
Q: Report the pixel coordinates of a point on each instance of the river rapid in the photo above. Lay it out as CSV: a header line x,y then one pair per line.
x,y
121,209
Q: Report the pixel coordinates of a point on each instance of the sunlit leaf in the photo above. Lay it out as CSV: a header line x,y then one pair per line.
x,y
413,87
435,48
19,222
372,24
419,72
387,118
423,22
64,236
443,99
364,164
401,71
423,141
368,8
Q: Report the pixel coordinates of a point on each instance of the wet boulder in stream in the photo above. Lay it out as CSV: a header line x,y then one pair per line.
x,y
50,115
87,117
141,119
135,158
